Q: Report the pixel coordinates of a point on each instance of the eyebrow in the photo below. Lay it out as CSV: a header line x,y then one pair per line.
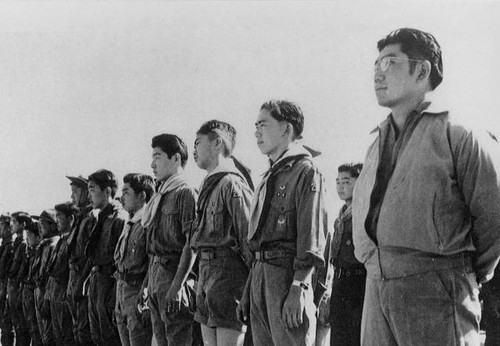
x,y
387,55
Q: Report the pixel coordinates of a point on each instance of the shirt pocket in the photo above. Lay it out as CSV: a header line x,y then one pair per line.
x,y
215,221
281,214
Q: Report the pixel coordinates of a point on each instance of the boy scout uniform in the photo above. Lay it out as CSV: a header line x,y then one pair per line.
x,y
106,230
14,289
287,235
166,238
220,239
28,297
6,250
131,268
79,268
42,302
58,272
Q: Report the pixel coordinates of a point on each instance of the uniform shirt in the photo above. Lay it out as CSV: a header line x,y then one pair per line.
x,y
106,230
130,252
79,236
296,216
28,268
6,251
224,221
342,245
172,223
18,251
58,266
43,255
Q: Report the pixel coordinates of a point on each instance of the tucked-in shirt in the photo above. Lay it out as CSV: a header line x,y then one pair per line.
x,y
130,253
79,237
223,223
19,249
172,225
42,260
106,230
296,219
58,266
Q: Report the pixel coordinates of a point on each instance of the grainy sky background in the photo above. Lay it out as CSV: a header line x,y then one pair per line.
x,y
87,85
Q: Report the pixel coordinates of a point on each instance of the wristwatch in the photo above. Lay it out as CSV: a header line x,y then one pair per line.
x,y
300,284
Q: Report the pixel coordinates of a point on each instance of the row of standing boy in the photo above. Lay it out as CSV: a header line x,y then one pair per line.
x,y
169,261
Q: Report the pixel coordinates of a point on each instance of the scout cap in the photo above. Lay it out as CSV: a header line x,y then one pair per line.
x,y
78,181
48,215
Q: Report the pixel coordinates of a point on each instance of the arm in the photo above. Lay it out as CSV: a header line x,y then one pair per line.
x,y
310,244
478,176
238,198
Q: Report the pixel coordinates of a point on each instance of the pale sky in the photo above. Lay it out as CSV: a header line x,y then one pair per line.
x,y
87,85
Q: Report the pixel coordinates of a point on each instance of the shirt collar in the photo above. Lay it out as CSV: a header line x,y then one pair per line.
x,y
427,107
137,216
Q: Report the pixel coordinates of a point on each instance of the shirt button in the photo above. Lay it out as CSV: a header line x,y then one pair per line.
x,y
348,242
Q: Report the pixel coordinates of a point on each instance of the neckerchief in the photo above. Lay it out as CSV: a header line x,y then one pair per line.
x,y
151,208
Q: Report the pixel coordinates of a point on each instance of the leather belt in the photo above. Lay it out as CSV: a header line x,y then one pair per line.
x,y
210,254
348,272
272,254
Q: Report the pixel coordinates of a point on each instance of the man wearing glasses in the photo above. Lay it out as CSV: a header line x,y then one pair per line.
x,y
426,207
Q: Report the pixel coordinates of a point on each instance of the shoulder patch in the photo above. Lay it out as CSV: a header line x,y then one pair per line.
x,y
314,188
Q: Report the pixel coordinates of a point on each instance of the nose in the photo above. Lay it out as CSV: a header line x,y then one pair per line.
x,y
257,134
153,166
379,75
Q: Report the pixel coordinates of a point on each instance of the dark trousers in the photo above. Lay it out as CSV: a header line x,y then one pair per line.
x,y
490,321
346,309
169,328
78,308
134,327
6,326
30,316
439,307
61,318
42,309
16,314
269,289
101,306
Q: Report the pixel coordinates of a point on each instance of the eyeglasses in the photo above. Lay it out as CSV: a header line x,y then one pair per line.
x,y
385,62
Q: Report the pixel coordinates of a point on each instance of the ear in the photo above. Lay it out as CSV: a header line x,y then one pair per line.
x,y
142,196
425,70
218,143
288,130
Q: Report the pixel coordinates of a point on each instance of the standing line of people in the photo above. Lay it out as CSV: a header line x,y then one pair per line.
x,y
233,263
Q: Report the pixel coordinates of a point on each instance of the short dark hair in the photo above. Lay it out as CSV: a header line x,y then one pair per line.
x,y
418,45
171,145
354,169
140,183
286,111
220,129
21,217
104,178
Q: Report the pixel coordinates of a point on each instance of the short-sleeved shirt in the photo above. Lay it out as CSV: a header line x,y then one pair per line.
x,y
172,225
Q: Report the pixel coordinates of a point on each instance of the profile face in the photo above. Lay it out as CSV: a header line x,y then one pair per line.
x,y
203,151
131,201
97,196
269,133
163,167
345,185
78,195
396,85
63,222
32,239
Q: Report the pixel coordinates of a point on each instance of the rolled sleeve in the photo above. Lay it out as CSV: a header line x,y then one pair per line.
x,y
311,218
